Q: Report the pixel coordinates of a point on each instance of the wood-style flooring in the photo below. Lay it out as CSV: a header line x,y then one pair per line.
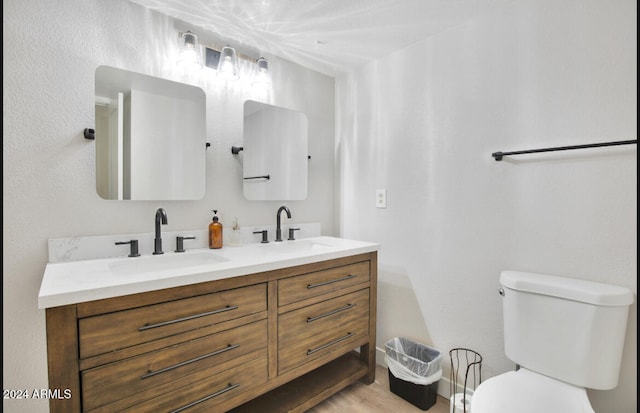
x,y
374,398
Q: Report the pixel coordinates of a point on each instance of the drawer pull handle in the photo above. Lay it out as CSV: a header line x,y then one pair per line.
x,y
329,344
204,399
193,360
337,310
191,317
348,277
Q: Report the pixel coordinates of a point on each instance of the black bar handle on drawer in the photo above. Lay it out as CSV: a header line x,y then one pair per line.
x,y
329,344
204,399
193,360
191,317
348,277
332,312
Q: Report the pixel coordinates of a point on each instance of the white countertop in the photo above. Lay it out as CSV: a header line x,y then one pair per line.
x,y
74,282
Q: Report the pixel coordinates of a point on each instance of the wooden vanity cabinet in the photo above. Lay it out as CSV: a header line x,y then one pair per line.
x,y
275,341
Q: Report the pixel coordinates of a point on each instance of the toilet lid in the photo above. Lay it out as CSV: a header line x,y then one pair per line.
x,y
524,391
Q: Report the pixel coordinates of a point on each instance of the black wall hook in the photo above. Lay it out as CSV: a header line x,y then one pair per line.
x,y
236,149
89,134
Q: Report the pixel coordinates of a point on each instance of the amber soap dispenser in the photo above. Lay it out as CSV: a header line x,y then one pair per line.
x,y
215,232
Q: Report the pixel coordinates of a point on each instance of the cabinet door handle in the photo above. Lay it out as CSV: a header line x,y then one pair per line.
x,y
204,399
191,317
348,277
332,312
329,344
193,360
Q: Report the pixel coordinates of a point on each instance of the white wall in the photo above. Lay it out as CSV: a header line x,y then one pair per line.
x,y
423,122
51,51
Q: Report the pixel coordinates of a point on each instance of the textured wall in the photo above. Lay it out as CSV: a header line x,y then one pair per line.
x,y
51,51
423,122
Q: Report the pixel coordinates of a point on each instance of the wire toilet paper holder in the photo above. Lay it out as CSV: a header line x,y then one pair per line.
x,y
469,362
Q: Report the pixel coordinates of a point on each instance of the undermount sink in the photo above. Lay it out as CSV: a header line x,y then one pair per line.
x,y
170,261
292,247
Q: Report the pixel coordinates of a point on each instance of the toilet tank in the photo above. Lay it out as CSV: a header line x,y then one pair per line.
x,y
568,329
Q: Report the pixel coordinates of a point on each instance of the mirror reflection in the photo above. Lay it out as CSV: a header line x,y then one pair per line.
x,y
150,137
275,152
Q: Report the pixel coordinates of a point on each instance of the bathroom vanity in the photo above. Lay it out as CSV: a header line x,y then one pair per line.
x,y
270,328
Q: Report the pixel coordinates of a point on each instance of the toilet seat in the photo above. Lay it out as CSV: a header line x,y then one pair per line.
x,y
525,391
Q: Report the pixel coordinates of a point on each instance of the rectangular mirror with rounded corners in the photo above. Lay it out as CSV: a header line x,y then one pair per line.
x,y
275,151
150,137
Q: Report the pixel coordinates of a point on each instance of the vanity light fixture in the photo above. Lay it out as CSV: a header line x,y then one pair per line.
x,y
223,59
228,64
190,53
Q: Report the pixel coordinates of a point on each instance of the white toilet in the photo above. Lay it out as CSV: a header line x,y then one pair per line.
x,y
566,335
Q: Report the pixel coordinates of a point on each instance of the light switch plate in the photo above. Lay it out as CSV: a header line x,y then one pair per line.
x,y
381,198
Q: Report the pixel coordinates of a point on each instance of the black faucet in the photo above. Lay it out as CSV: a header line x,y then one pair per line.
x,y
161,218
278,229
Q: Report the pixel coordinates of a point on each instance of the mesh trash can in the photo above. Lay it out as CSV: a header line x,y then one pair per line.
x,y
414,371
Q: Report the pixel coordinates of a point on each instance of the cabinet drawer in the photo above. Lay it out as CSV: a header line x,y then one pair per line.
x,y
204,392
110,332
315,331
317,283
106,384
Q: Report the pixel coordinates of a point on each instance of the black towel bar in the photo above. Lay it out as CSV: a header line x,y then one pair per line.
x,y
498,155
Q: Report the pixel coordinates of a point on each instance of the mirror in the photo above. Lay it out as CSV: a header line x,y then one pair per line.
x,y
150,137
275,153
